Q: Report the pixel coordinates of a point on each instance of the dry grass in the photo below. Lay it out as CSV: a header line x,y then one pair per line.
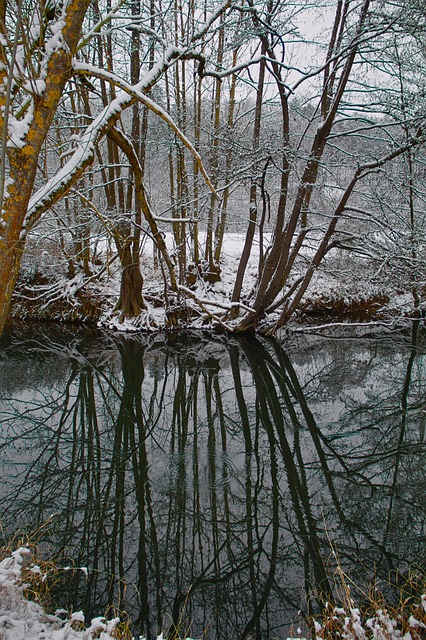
x,y
384,611
39,577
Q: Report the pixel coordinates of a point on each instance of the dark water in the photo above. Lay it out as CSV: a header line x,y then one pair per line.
x,y
211,482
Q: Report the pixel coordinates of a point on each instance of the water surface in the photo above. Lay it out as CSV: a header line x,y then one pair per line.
x,y
213,482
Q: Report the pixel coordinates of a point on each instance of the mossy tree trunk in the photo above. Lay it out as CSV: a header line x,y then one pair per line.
x,y
21,155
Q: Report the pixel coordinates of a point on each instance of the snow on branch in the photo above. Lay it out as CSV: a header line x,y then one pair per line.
x,y
137,92
211,19
101,23
83,155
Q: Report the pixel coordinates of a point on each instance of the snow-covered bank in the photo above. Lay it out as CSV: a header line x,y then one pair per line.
x,y
21,619
353,293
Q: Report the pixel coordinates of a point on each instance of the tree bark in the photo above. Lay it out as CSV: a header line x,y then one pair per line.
x,y
131,301
23,160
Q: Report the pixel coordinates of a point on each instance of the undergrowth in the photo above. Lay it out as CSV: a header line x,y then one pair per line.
x,y
388,610
36,580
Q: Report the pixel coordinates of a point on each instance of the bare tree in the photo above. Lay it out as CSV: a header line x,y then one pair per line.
x,y
348,43
331,107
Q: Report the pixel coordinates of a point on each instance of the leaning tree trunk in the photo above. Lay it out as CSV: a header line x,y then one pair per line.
x,y
23,155
278,264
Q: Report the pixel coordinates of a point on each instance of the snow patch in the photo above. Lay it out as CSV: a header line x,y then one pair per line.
x,y
18,129
21,619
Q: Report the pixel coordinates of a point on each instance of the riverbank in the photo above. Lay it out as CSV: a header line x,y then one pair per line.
x,y
355,293
23,618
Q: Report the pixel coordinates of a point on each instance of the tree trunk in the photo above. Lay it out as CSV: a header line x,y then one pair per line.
x,y
131,301
23,159
276,265
245,255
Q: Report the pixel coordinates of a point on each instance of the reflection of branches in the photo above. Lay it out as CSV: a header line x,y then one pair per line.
x,y
352,525
402,431
285,370
199,475
273,422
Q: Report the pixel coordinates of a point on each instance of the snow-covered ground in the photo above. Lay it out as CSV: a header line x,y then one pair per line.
x,y
342,280
21,619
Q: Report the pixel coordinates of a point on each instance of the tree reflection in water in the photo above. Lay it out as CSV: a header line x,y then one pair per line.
x,y
210,483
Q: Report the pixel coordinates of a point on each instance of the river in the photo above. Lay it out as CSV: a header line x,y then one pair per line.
x,y
222,485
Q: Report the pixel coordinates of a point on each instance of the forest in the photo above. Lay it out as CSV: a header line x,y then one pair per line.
x,y
219,164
